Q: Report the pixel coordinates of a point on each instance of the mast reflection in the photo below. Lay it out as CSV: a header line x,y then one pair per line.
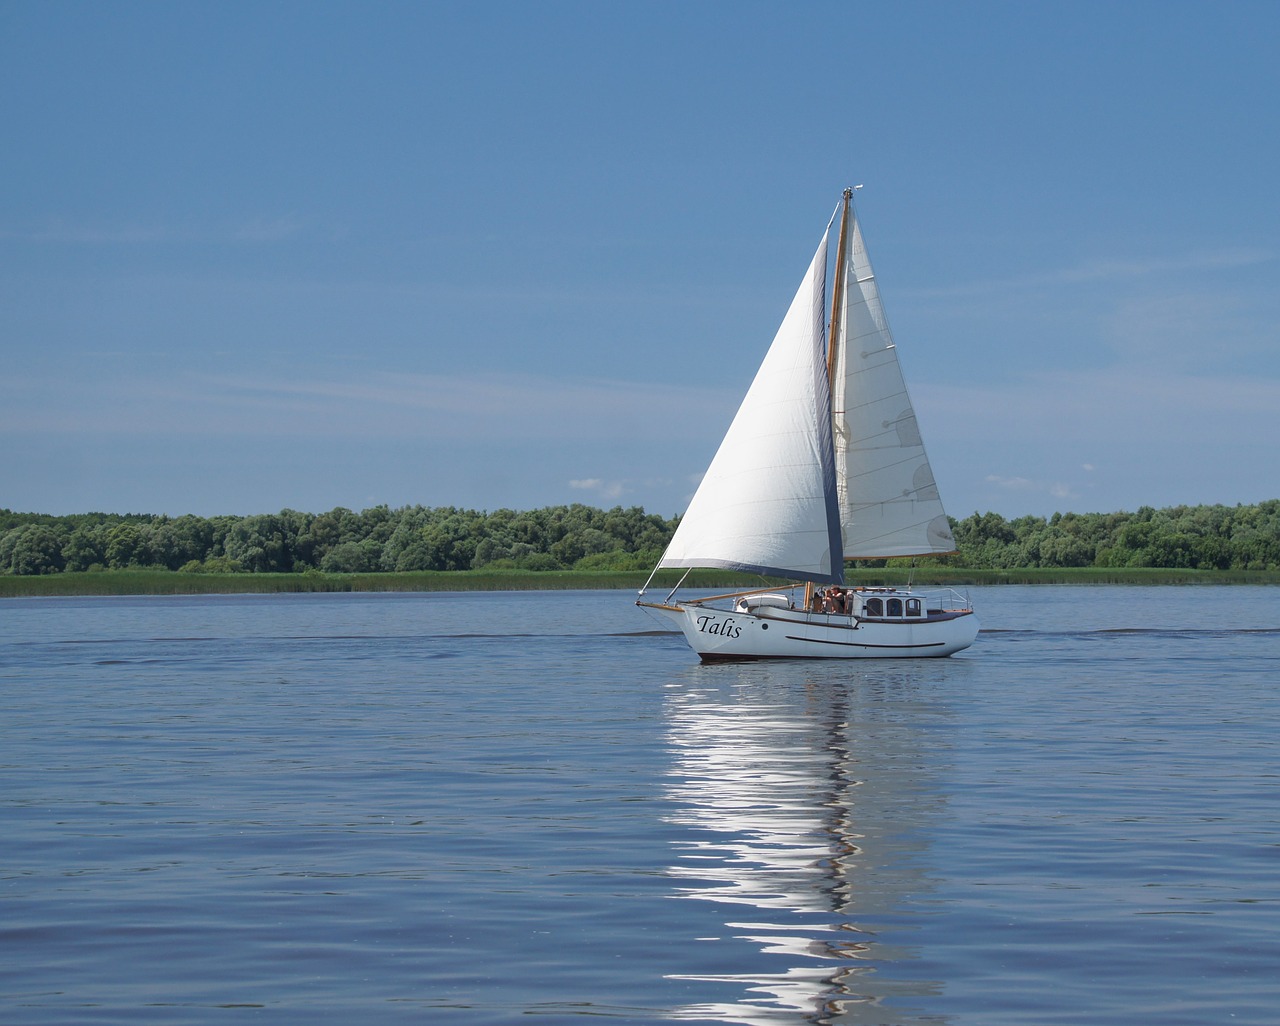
x,y
804,796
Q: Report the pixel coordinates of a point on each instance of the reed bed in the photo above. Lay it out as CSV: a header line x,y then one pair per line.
x,y
165,582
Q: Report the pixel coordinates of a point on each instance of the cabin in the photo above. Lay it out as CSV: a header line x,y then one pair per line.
x,y
884,604
877,608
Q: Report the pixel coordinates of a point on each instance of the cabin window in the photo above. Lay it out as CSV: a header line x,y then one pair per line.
x,y
894,607
913,607
875,607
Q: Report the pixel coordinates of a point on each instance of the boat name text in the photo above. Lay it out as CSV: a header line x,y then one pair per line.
x,y
726,628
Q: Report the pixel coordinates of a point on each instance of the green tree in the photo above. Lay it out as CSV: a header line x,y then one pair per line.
x,y
123,543
351,558
31,550
324,532
260,544
85,547
192,538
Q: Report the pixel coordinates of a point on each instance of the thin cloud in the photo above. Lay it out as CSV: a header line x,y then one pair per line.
x,y
268,230
476,408
1019,484
90,234
1037,443
255,231
1102,270
600,487
1106,405
1056,489
1112,269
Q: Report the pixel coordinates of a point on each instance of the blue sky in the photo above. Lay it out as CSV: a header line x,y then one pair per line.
x,y
268,255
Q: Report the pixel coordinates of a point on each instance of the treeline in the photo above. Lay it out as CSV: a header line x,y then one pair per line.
x,y
1175,538
585,538
340,541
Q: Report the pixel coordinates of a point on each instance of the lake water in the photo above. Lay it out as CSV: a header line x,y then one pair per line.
x,y
478,808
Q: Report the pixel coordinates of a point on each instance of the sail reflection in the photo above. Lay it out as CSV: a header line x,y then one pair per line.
x,y
804,796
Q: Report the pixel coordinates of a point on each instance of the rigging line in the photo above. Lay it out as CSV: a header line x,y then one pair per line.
x,y
678,583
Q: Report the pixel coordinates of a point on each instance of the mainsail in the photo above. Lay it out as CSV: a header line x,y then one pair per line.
x,y
889,504
767,503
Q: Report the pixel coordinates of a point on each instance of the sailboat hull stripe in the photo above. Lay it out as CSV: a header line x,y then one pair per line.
x,y
858,644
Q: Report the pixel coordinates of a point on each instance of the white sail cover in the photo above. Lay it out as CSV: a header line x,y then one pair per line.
x,y
889,504
767,503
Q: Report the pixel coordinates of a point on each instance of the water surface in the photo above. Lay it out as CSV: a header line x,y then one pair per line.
x,y
474,808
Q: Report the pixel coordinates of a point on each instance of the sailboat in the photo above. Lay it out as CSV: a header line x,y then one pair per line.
x,y
823,462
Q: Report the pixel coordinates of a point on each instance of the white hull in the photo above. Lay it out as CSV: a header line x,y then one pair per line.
x,y
772,633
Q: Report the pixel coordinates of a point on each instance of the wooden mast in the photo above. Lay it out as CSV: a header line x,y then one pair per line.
x,y
833,330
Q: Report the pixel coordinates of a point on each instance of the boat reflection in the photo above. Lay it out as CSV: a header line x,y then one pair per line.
x,y
804,796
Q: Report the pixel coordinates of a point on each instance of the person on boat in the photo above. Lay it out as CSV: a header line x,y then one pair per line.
x,y
818,602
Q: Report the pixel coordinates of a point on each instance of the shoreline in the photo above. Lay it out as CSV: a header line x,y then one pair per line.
x,y
168,582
